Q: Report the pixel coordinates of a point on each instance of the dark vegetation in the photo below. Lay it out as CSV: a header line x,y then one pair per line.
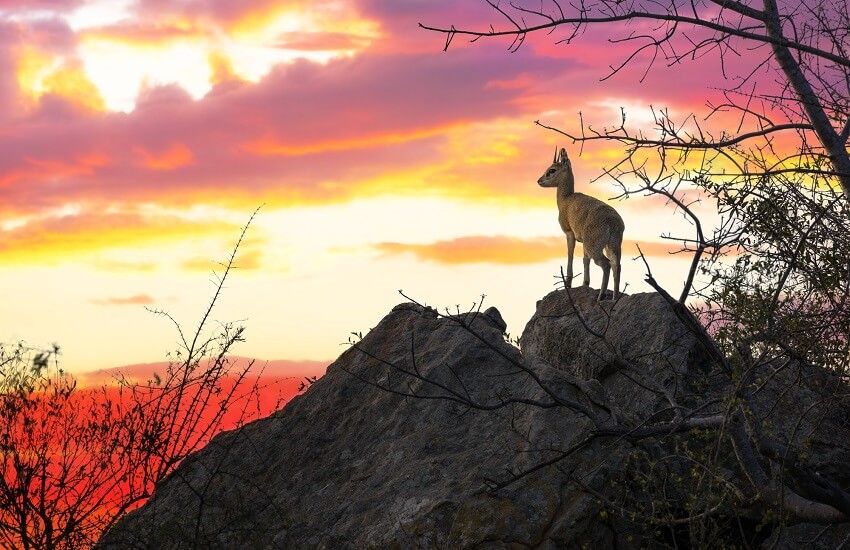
x,y
73,460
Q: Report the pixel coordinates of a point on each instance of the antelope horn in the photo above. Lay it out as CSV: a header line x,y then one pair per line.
x,y
555,158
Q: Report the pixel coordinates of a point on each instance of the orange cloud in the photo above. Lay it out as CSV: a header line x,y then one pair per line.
x,y
504,250
123,266
200,264
40,74
271,145
323,41
176,156
30,67
138,299
35,169
222,68
651,248
92,160
497,249
71,82
296,25
57,238
298,20
246,259
145,34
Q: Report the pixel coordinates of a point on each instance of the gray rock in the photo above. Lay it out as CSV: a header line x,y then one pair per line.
x,y
357,462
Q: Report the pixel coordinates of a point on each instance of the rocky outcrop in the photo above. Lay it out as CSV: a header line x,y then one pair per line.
x,y
434,431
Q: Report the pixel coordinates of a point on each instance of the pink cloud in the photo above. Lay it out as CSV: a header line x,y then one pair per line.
x,y
303,106
400,23
308,132
653,77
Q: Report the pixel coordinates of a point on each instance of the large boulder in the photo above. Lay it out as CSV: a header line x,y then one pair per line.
x,y
433,431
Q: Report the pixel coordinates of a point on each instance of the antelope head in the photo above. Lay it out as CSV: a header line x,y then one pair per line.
x,y
559,169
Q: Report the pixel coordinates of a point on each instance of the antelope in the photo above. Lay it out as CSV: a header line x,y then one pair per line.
x,y
587,220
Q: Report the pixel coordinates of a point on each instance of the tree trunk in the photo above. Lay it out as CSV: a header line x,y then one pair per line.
x,y
828,136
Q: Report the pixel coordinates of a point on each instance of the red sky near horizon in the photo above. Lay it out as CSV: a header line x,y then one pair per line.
x,y
138,136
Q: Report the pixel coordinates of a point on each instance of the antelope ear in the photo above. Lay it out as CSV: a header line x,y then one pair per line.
x,y
564,157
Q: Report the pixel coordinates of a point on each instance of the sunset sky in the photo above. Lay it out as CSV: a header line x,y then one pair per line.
x,y
138,136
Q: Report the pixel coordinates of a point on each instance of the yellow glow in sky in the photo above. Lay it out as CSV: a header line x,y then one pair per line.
x,y
109,70
121,71
39,74
431,187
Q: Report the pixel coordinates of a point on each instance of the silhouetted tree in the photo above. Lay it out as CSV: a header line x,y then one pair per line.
x,y
787,62
75,460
